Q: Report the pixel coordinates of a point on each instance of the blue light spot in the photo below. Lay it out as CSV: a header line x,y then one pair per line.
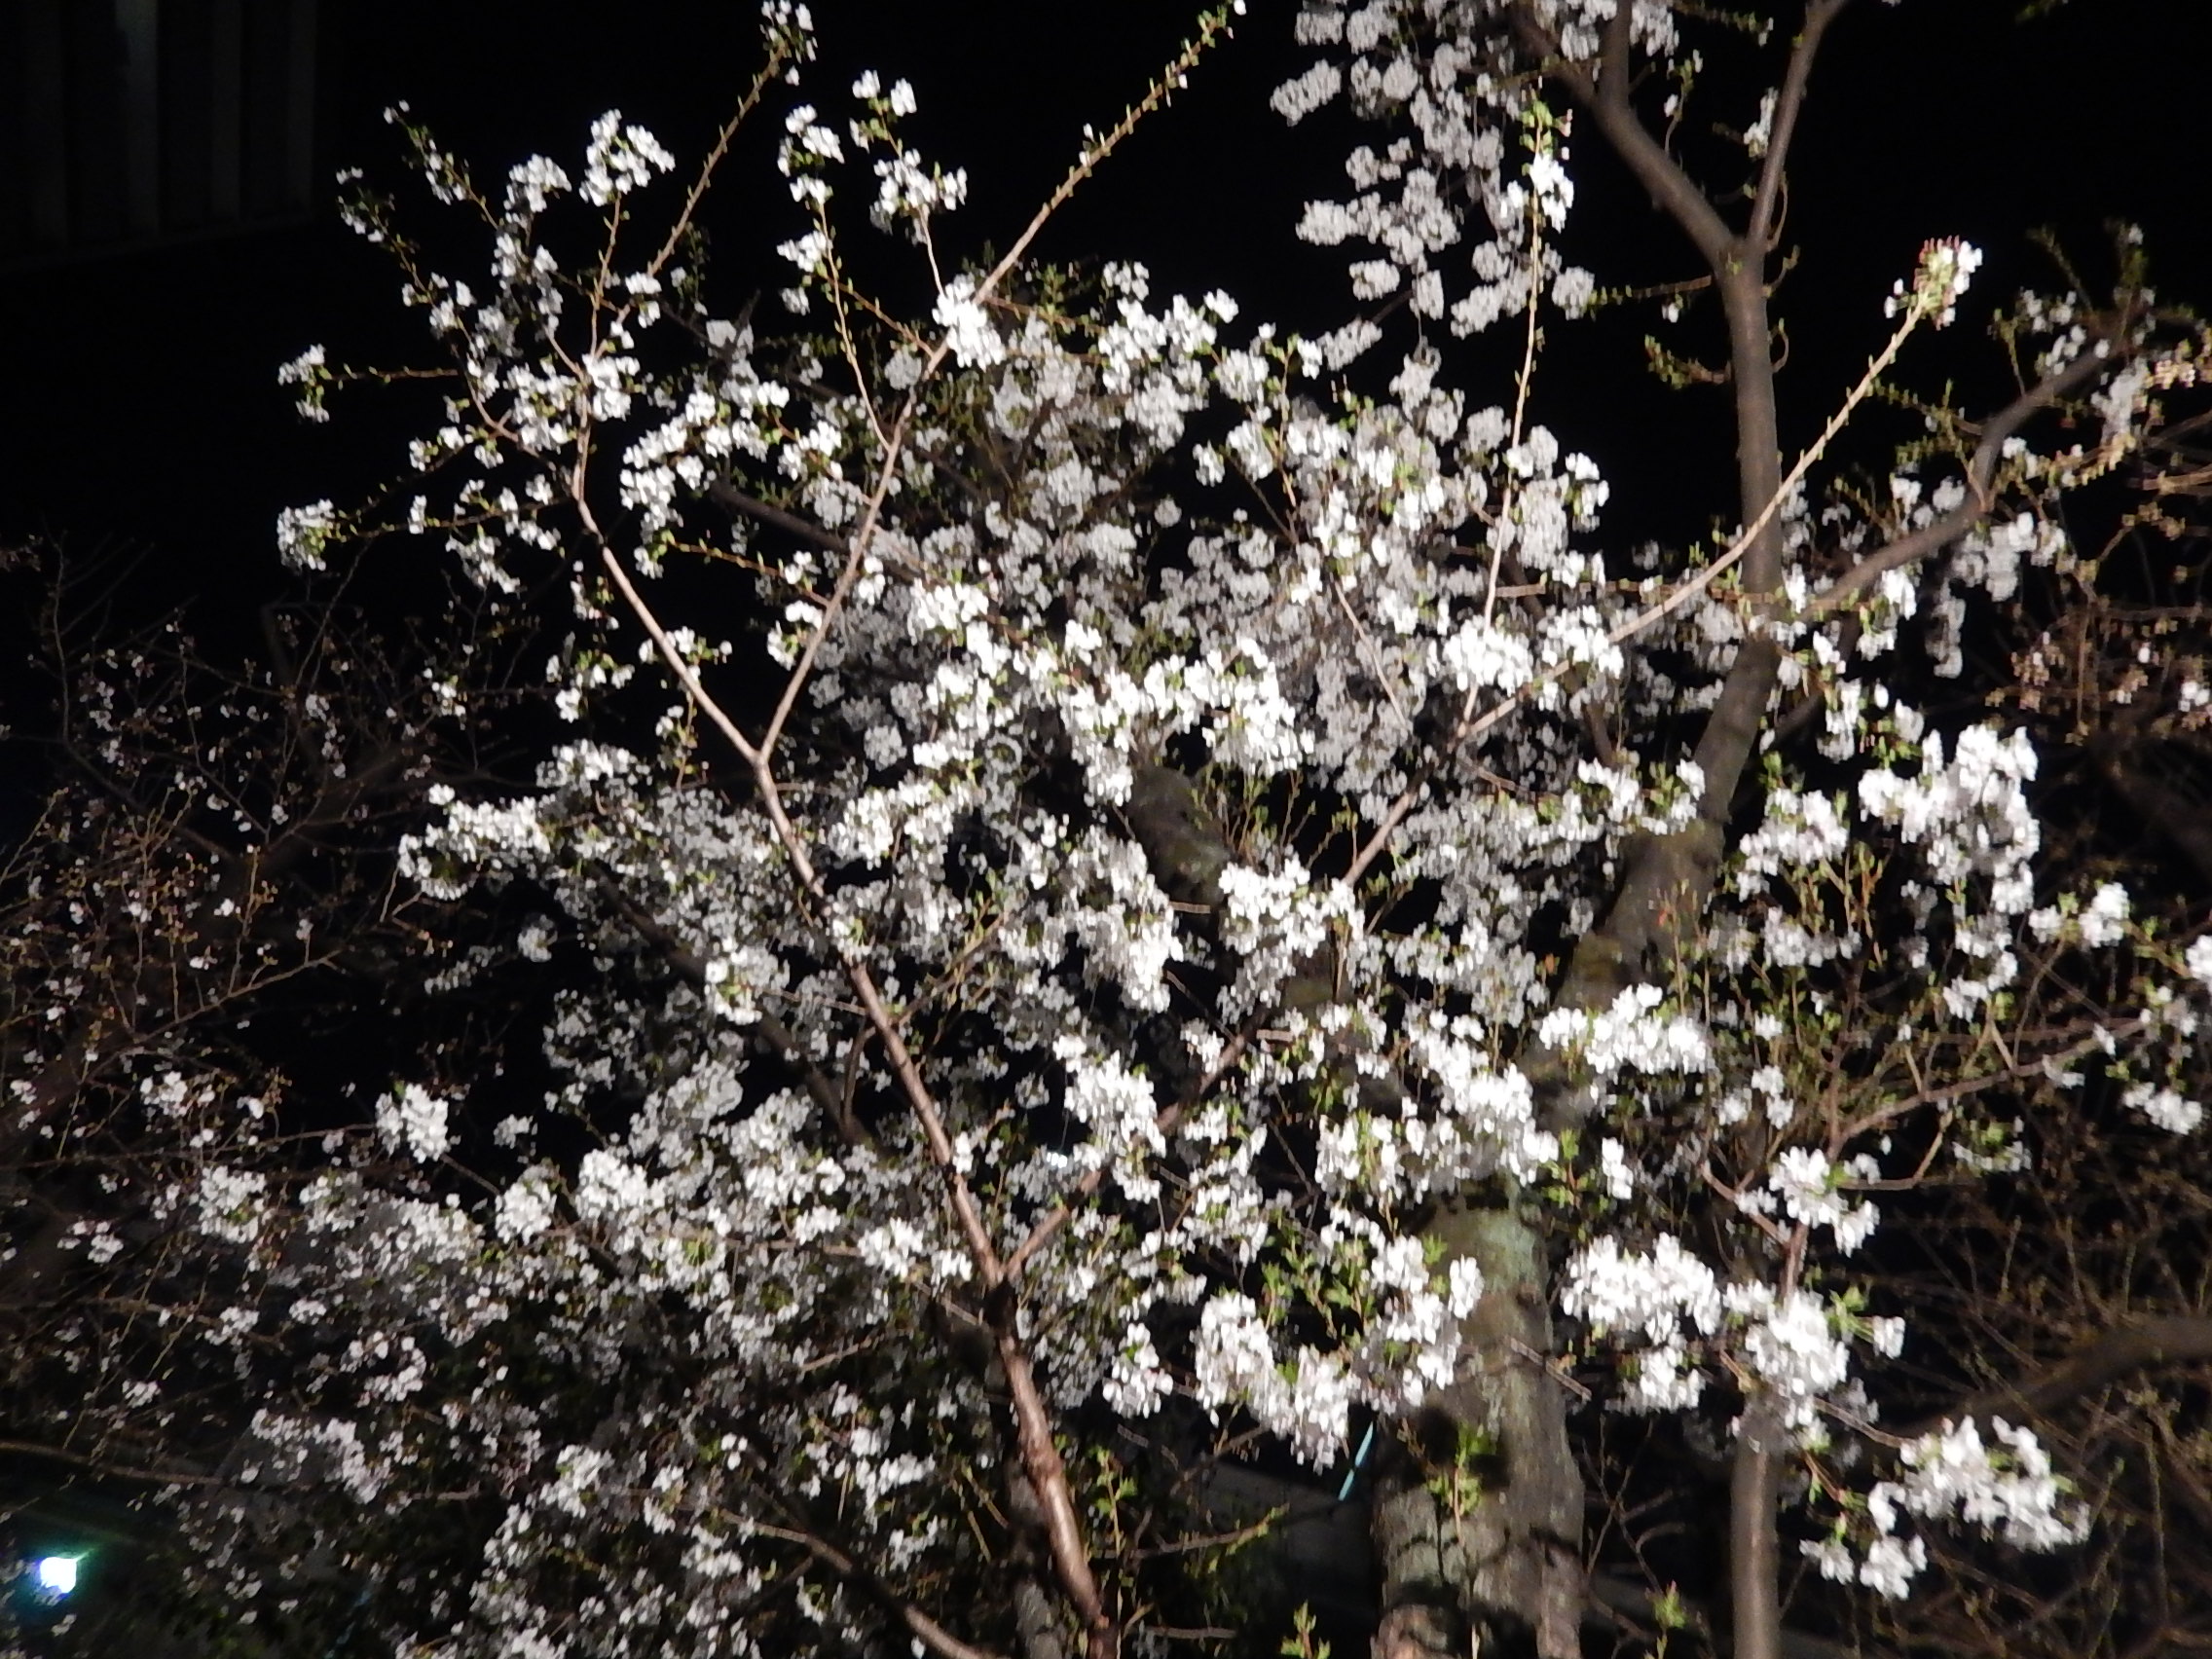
x,y
55,1574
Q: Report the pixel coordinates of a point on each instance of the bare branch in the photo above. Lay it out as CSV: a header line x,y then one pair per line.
x,y
2158,803
2177,1339
1789,103
1608,105
926,1630
115,1471
729,496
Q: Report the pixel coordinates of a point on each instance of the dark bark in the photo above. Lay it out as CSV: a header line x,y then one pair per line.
x,y
2173,1340
2160,806
1755,1556
1040,1618
1478,1518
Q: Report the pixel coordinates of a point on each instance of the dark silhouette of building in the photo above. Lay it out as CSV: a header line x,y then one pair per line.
x,y
132,123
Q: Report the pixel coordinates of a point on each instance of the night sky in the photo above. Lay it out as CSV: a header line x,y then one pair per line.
x,y
140,404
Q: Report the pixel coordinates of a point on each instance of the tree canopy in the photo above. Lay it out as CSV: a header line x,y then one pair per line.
x,y
1004,943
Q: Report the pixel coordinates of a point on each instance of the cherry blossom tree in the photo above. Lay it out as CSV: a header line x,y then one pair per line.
x,y
1118,884
203,907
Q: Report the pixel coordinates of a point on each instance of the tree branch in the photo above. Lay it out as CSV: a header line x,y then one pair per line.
x,y
2175,1339
1613,1599
1755,1556
113,1471
1667,877
926,1630
2169,812
728,495
689,963
1981,466
1608,105
1039,1456
1789,103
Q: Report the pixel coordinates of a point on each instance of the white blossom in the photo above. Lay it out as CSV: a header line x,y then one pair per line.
x,y
414,1120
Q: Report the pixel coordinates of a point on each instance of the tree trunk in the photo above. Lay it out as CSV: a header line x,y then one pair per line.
x,y
1478,1513
1478,1509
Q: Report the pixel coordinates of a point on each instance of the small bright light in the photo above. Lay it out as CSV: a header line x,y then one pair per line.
x,y
56,1575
